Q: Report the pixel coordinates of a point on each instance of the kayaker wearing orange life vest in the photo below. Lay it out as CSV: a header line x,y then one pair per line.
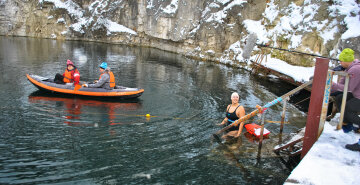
x,y
106,80
71,74
234,111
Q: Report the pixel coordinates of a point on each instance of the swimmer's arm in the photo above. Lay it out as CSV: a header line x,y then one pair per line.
x,y
224,121
240,113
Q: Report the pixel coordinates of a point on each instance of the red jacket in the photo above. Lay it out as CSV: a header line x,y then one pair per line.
x,y
71,76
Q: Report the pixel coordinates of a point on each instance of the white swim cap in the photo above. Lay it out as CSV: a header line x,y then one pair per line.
x,y
234,94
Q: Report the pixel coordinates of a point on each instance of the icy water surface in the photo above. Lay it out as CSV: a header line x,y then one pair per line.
x,y
51,139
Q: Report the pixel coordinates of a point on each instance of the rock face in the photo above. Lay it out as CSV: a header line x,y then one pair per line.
x,y
208,30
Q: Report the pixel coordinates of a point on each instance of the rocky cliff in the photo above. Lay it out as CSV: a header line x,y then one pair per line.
x,y
204,29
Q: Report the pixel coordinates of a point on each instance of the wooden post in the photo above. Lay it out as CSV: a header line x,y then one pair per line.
x,y
342,110
261,133
283,116
325,102
316,98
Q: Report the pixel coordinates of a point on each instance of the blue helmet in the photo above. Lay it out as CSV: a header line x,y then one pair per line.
x,y
103,65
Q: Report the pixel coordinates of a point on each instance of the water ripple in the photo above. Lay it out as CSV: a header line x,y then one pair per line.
x,y
54,139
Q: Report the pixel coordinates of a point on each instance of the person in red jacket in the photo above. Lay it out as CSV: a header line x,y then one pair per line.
x,y
71,75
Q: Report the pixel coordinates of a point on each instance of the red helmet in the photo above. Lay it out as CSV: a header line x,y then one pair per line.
x,y
68,62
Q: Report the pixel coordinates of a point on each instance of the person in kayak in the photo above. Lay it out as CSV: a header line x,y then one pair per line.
x,y
234,111
106,80
71,74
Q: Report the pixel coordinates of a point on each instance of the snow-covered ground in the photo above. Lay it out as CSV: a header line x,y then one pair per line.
x,y
328,161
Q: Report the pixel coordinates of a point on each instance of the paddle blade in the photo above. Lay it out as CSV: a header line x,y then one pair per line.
x,y
77,87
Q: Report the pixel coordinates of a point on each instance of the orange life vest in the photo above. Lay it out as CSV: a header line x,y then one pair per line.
x,y
68,76
112,79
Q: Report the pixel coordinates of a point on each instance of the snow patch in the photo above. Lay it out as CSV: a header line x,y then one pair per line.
x,y
271,12
214,5
217,17
71,7
353,25
115,27
149,4
220,15
257,28
223,1
235,3
295,41
61,20
171,8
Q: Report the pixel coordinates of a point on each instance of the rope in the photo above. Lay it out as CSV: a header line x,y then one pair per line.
x,y
266,46
302,100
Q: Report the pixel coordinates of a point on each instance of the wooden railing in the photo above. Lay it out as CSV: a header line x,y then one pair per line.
x,y
329,80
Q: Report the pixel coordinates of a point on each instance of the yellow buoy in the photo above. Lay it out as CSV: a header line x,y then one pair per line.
x,y
147,115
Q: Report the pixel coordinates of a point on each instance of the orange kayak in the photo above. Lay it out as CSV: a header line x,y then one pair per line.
x,y
47,84
255,129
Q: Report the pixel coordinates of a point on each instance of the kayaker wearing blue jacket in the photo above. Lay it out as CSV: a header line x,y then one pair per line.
x,y
106,80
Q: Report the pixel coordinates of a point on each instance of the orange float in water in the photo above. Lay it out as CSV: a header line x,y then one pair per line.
x,y
255,129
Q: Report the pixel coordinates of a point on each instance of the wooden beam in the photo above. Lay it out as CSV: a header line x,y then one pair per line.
x,y
316,100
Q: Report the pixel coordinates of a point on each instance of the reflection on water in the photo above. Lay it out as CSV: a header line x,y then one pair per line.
x,y
73,107
50,139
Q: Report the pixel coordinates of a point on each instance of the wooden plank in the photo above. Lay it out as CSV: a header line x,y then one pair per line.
x,y
325,102
287,145
281,76
342,110
316,98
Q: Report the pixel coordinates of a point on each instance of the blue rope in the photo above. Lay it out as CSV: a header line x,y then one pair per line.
x,y
277,100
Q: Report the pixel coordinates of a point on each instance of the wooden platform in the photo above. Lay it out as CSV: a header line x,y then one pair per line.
x,y
292,146
260,68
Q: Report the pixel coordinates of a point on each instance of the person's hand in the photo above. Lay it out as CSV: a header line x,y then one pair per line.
x,y
95,81
85,85
338,68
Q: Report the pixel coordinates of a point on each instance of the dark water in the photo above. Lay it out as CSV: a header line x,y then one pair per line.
x,y
51,139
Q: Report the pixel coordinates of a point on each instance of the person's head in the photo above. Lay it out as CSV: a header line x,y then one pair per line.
x,y
234,97
70,65
103,66
346,57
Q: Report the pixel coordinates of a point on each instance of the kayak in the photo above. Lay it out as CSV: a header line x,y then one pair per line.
x,y
47,84
255,129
